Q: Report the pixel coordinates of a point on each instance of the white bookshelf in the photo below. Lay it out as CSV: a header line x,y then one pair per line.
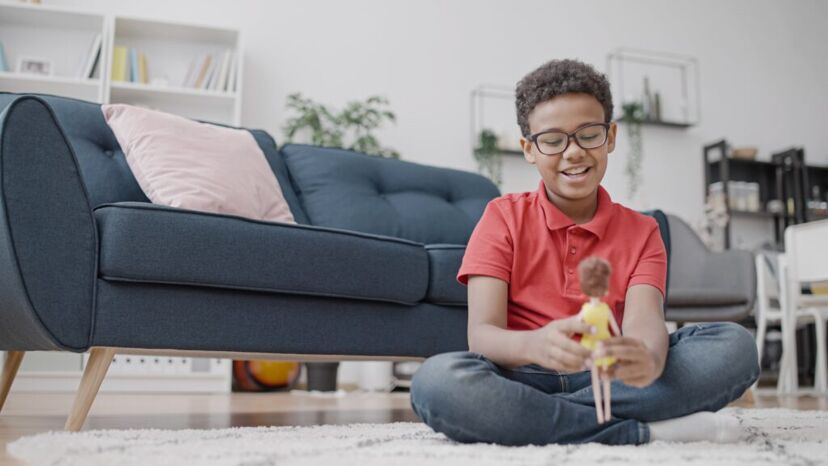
x,y
171,49
63,37
58,35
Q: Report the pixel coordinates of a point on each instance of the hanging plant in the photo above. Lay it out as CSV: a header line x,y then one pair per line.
x,y
488,156
633,116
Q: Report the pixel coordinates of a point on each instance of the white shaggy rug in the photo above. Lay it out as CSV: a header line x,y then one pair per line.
x,y
777,436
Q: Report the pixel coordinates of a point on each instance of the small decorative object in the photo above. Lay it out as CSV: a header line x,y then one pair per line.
x,y
665,83
322,376
376,376
594,273
715,218
488,156
355,123
633,117
263,376
744,153
31,65
403,373
775,206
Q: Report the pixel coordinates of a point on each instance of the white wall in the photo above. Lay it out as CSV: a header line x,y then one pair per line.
x,y
762,63
762,66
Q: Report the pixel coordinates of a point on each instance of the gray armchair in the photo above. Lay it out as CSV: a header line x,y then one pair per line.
x,y
704,285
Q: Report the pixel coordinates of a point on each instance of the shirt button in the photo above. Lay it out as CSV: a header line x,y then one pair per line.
x,y
569,271
572,251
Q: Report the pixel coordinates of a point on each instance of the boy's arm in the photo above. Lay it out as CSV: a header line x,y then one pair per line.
x,y
487,323
549,346
644,319
642,351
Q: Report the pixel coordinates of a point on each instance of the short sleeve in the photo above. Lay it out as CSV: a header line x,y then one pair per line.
x,y
651,268
490,247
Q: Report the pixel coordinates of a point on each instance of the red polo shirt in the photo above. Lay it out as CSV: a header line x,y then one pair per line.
x,y
524,240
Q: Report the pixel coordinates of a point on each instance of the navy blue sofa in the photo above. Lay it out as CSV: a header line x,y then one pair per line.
x,y
87,262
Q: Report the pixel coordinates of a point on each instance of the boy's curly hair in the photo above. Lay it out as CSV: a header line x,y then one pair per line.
x,y
559,77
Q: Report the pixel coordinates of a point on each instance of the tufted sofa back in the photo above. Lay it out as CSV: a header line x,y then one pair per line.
x,y
323,186
353,191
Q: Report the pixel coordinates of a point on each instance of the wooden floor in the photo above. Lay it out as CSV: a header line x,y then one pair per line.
x,y
30,413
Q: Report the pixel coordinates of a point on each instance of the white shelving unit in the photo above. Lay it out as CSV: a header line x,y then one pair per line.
x,y
171,49
60,36
63,37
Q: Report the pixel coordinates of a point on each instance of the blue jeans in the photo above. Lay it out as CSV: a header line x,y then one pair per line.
x,y
471,399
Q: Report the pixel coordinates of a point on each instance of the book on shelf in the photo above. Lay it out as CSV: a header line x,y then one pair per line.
x,y
143,73
224,71
120,66
93,57
129,65
4,64
203,70
212,72
189,78
231,79
221,67
133,65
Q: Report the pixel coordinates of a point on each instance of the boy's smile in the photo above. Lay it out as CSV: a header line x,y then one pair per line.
x,y
572,177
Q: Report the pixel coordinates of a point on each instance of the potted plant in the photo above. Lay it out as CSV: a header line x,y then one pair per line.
x,y
351,128
632,117
488,156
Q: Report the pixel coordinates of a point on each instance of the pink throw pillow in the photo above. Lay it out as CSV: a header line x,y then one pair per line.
x,y
183,163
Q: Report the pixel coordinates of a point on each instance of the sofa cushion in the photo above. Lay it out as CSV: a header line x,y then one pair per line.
x,y
353,191
146,315
705,297
183,163
141,242
444,262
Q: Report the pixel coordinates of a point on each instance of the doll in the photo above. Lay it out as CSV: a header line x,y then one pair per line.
x,y
593,273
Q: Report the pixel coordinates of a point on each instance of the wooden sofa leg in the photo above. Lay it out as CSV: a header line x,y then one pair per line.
x,y
93,375
13,360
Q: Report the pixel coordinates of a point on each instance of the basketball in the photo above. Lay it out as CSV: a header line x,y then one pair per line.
x,y
263,376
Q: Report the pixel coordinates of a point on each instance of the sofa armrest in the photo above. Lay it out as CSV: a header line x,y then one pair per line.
x,y
48,242
704,280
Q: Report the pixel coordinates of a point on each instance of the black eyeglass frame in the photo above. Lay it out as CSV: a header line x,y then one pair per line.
x,y
570,137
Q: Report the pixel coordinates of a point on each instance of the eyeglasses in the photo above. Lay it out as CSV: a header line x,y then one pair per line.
x,y
554,142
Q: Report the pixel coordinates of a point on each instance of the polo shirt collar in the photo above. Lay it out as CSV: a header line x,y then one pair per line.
x,y
555,219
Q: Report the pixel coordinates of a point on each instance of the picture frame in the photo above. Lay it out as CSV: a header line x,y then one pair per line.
x,y
35,65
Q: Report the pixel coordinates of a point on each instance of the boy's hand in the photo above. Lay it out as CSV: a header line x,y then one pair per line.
x,y
552,347
636,364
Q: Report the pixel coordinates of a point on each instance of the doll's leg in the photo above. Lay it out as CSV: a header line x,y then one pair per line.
x,y
596,393
607,402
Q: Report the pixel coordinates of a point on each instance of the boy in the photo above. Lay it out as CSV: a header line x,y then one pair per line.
x,y
525,380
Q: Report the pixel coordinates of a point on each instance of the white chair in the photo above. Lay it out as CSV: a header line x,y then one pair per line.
x,y
770,299
805,261
768,302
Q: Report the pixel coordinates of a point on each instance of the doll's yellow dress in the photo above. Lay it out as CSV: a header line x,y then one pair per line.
x,y
597,315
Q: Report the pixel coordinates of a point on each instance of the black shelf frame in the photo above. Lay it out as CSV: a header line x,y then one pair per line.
x,y
786,176
662,123
725,169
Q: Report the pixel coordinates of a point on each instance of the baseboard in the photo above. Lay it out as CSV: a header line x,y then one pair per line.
x,y
68,381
